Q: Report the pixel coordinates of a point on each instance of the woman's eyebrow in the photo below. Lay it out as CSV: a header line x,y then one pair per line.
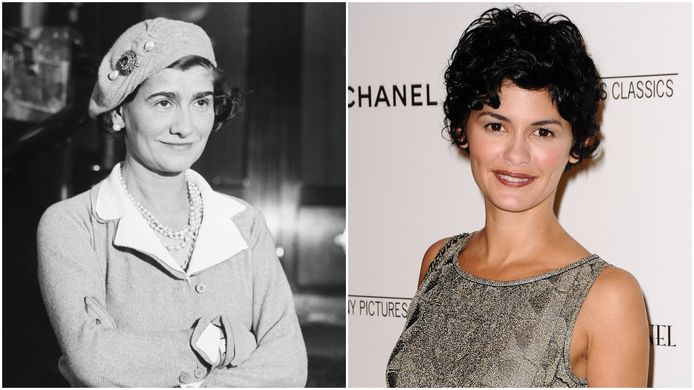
x,y
547,122
170,95
174,95
502,118
495,116
202,94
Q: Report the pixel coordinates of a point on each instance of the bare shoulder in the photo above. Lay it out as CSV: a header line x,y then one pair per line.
x,y
616,287
615,297
429,257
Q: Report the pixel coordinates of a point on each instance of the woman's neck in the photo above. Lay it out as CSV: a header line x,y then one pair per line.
x,y
511,236
166,197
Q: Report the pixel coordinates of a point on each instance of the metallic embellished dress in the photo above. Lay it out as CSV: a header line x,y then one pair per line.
x,y
463,331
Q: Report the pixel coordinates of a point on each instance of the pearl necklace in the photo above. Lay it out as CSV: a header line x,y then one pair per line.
x,y
183,237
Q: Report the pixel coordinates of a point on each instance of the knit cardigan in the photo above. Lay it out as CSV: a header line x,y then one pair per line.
x,y
126,314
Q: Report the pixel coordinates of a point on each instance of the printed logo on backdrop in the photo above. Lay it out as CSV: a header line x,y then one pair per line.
x,y
375,306
396,95
661,336
392,307
635,87
639,87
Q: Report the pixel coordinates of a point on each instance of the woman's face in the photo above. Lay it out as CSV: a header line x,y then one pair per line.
x,y
519,150
169,120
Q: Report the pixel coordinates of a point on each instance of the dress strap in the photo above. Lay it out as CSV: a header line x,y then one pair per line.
x,y
447,252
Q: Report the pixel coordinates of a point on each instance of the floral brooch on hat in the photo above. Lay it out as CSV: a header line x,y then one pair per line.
x,y
125,65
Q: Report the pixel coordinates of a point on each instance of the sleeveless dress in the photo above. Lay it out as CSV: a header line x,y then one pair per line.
x,y
463,331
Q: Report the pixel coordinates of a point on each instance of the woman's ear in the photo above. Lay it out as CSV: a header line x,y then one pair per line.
x,y
459,133
586,143
117,119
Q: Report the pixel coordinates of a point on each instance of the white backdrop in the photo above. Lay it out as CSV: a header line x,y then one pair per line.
x,y
409,188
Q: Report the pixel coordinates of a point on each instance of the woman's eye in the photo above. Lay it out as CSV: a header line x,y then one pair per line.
x,y
163,104
494,126
542,132
202,103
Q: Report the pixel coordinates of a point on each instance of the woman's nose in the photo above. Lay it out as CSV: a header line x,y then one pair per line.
x,y
182,126
516,152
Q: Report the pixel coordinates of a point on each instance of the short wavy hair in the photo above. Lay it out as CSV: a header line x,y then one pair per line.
x,y
227,102
519,46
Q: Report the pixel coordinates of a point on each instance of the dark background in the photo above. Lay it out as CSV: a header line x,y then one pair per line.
x,y
285,154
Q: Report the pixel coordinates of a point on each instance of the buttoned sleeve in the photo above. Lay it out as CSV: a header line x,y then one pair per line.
x,y
96,352
272,353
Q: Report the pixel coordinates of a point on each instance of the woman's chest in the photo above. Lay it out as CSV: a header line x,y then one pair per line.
x,y
141,293
477,336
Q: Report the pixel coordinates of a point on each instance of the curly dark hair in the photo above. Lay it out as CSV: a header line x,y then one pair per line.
x,y
519,46
227,103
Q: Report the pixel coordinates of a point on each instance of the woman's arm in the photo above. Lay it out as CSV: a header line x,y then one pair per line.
x,y
279,360
95,351
616,323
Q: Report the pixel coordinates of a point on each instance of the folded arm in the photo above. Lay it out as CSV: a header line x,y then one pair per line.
x,y
95,351
273,355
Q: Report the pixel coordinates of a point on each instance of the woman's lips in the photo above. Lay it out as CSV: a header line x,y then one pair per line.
x,y
513,179
178,146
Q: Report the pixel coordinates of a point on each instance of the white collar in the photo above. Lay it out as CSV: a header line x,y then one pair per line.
x,y
218,239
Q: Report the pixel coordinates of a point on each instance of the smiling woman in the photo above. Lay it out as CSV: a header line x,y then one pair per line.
x,y
522,143
151,278
520,303
169,119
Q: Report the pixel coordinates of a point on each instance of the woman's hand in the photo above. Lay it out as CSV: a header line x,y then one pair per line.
x,y
212,343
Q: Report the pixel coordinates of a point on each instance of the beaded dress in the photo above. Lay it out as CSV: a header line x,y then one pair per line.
x,y
464,331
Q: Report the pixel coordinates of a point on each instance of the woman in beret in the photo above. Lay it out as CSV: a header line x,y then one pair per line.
x,y
151,278
520,303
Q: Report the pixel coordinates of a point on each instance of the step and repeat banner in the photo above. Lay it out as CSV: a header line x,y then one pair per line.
x,y
408,187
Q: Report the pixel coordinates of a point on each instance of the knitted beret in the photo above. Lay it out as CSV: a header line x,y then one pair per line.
x,y
141,51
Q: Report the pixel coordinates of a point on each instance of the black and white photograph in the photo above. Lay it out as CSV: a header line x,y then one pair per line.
x,y
174,195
